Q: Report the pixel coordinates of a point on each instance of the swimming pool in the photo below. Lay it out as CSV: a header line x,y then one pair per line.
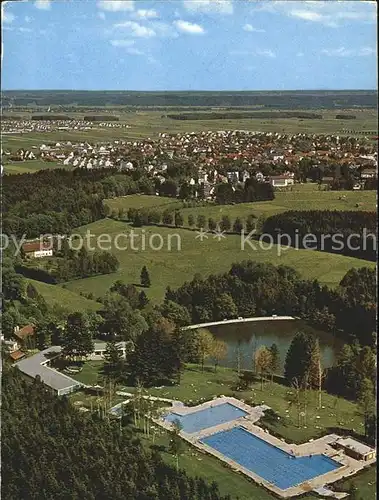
x,y
208,417
267,461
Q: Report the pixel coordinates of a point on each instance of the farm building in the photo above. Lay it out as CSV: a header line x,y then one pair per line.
x,y
37,249
24,334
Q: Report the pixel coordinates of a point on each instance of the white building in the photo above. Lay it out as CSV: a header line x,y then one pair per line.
x,y
281,181
37,249
100,348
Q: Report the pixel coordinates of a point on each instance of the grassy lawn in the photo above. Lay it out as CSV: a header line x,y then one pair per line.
x,y
30,166
139,201
174,267
302,197
57,296
91,373
365,482
93,401
336,414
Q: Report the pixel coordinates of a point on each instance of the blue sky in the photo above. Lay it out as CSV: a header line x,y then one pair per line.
x,y
189,45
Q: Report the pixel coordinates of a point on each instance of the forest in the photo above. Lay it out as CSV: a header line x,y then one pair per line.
x,y
254,289
316,99
51,450
352,233
239,116
56,201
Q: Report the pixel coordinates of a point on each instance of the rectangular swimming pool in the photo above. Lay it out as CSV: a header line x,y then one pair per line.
x,y
208,417
267,461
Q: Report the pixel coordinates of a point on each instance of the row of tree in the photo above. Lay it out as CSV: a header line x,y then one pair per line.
x,y
175,218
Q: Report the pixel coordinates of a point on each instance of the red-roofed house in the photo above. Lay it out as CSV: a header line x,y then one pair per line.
x,y
17,355
37,249
24,332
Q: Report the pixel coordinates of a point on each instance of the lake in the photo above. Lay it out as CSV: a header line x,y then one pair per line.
x,y
252,335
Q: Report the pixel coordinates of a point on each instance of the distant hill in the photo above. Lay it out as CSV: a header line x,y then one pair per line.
x,y
295,99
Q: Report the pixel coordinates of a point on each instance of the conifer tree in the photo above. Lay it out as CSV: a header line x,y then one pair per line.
x,y
275,360
145,278
299,358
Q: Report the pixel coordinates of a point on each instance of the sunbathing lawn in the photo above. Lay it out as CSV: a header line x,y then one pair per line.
x,y
197,386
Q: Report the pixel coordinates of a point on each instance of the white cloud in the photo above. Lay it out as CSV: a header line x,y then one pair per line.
x,y
116,5
28,19
343,52
25,30
251,29
8,17
42,4
146,14
266,53
300,54
209,6
307,15
134,52
136,29
101,15
258,52
163,29
191,28
122,43
329,13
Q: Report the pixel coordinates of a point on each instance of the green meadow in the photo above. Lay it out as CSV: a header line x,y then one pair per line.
x,y
182,255
57,296
30,166
301,197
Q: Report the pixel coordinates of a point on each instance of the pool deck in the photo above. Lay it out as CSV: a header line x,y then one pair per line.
x,y
321,446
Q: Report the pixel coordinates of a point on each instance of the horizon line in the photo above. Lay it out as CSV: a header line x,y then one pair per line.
x,y
197,90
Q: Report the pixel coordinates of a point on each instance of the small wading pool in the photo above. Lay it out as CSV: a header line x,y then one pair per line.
x,y
267,461
208,417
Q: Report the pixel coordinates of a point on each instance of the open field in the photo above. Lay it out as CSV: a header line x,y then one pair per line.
x,y
140,201
30,166
146,123
173,267
302,197
57,296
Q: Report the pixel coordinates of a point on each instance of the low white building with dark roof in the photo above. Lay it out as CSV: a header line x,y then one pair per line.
x,y
356,450
37,366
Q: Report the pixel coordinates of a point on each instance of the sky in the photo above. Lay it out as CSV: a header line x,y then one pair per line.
x,y
189,45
